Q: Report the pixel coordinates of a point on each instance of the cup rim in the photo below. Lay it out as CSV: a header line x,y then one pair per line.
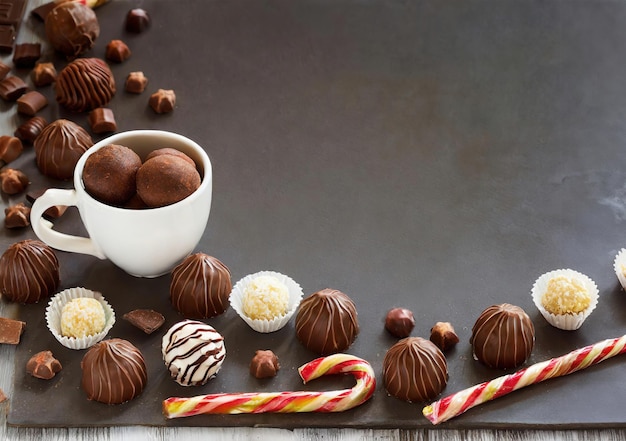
x,y
207,175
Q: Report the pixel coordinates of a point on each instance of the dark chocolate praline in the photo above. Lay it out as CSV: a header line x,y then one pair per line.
x,y
29,272
415,370
327,322
503,336
399,322
200,287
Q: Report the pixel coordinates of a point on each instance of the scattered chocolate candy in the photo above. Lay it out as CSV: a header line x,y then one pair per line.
x,y
117,51
170,151
102,120
13,181
53,212
59,146
31,103
110,174
10,148
29,130
43,365
4,70
503,336
264,364
43,74
11,331
43,10
11,88
10,19
84,84
443,336
147,320
162,101
26,54
137,20
399,322
72,28
17,216
165,180
29,272
136,82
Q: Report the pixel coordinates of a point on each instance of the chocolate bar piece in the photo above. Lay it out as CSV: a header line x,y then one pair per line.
x,y
7,38
102,120
17,216
11,12
11,88
145,319
31,103
11,330
26,54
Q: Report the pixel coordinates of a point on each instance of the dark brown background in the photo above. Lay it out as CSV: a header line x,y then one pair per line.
x,y
433,155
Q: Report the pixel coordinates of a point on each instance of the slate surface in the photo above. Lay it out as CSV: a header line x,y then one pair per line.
x,y
433,155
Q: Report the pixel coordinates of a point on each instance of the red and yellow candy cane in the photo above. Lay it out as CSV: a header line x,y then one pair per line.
x,y
287,402
456,404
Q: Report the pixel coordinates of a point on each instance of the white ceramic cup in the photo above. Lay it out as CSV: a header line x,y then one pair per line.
x,y
142,242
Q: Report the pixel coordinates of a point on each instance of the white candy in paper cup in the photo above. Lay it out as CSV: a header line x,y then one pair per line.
x,y
619,265
266,326
55,309
567,322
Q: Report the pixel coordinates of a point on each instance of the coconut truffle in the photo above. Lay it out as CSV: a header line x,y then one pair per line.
x,y
82,317
265,298
565,296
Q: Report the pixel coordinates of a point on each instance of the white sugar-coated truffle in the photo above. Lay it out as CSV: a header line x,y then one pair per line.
x,y
265,298
82,317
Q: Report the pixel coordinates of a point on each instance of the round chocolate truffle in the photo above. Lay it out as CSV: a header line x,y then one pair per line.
x,y
29,272
72,28
109,174
327,322
170,151
503,336
114,371
193,352
59,146
264,364
200,286
399,322
166,179
415,370
85,84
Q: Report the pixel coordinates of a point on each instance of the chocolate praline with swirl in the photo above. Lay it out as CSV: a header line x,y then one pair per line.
x,y
327,322
59,146
85,84
503,336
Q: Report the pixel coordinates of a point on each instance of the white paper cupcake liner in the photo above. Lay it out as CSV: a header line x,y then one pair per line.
x,y
266,326
55,308
619,265
567,322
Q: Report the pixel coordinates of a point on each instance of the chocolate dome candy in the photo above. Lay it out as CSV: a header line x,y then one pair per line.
x,y
200,286
327,322
414,369
72,28
503,336
29,272
85,84
114,371
59,146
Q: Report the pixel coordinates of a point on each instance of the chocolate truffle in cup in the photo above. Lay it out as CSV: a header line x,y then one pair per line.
x,y
166,179
72,28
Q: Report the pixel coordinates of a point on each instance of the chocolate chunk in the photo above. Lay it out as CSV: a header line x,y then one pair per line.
x,y
11,330
11,88
443,336
26,54
10,148
102,120
399,322
17,216
29,130
117,51
53,212
42,11
43,74
145,319
163,101
7,38
137,20
136,82
11,12
13,181
4,70
43,365
31,103
72,28
264,364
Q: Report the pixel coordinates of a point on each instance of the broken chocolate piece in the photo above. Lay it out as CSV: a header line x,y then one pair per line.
x,y
11,88
136,82
43,74
17,216
117,51
145,319
13,181
11,331
11,12
137,20
43,365
163,101
443,336
42,11
26,54
264,364
10,148
30,130
31,103
7,38
102,120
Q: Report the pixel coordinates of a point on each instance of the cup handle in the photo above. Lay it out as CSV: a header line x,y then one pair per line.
x,y
44,228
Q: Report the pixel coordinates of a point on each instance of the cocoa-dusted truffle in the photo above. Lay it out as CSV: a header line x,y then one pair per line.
x,y
415,370
109,174
399,322
114,371
200,286
166,179
72,28
503,336
264,364
59,146
29,272
84,84
170,151
327,322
